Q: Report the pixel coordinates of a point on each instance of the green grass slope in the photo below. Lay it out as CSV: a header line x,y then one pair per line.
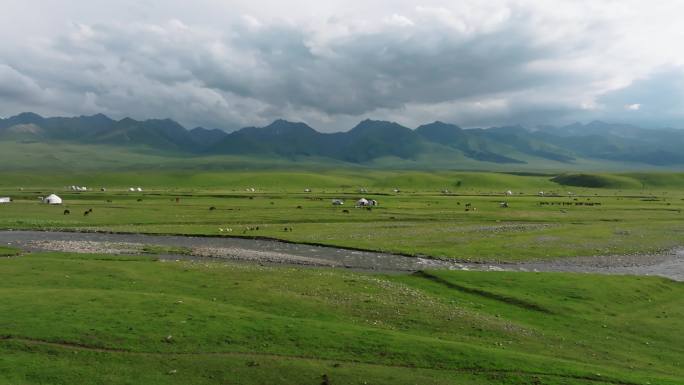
x,y
81,319
633,181
8,251
27,154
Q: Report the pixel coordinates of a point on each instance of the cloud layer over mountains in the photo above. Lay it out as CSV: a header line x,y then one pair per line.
x,y
229,64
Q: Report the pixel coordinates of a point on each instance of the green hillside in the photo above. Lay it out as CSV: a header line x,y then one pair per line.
x,y
83,319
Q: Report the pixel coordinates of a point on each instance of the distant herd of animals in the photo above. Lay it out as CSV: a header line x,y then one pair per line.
x,y
85,213
468,207
578,203
369,203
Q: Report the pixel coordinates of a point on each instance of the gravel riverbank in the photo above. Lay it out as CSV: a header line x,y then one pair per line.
x,y
670,264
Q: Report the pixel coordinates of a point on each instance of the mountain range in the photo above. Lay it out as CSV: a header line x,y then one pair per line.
x,y
368,141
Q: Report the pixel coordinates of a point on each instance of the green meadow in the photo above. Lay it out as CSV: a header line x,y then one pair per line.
x,y
439,214
88,319
106,319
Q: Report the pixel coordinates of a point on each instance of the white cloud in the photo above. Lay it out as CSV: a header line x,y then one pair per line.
x,y
229,64
399,20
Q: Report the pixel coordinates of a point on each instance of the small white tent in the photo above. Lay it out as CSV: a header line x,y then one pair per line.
x,y
337,202
362,202
52,199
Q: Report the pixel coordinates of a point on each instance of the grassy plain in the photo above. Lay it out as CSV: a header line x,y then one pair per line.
x,y
8,251
628,213
86,319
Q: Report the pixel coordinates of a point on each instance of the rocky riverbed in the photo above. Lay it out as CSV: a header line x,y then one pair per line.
x,y
669,264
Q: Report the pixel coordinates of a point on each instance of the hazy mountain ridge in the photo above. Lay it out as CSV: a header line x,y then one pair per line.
x,y
369,140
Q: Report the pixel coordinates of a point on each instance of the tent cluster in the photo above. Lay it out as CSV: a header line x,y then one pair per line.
x,y
134,189
363,202
78,188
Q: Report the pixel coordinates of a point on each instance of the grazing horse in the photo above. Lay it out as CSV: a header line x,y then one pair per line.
x,y
85,213
67,212
212,208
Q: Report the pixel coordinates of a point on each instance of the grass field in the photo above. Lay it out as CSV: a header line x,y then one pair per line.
x,y
630,213
84,319
8,251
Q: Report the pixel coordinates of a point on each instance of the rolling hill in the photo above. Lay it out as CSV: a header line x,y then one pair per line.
x,y
371,142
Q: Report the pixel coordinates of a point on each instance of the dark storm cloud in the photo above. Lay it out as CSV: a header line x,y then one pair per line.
x,y
513,62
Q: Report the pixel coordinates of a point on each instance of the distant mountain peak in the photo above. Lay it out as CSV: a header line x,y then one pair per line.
x,y
28,115
284,127
437,124
127,120
369,124
26,118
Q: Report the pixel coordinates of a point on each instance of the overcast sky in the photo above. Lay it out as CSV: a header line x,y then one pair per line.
x,y
229,64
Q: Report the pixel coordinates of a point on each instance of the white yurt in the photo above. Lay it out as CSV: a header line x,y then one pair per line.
x,y
5,199
52,199
362,202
